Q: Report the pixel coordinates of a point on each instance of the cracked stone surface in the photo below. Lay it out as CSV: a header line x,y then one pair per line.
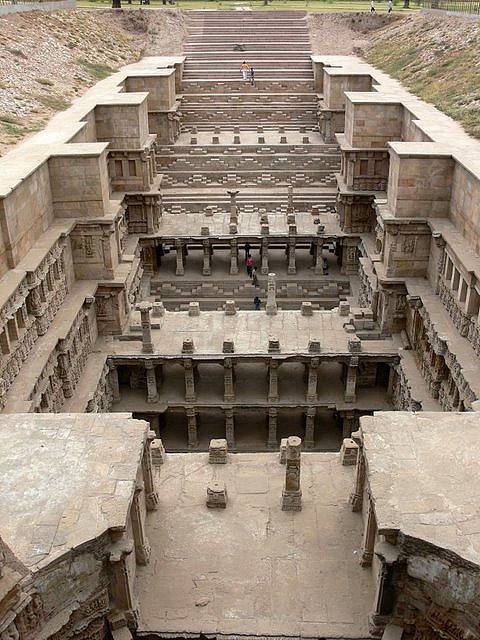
x,y
252,568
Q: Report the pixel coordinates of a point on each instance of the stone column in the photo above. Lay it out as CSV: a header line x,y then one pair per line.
x,y
292,268
385,591
351,380
440,243
207,263
368,543
271,306
142,546
152,390
147,344
233,206
292,494
151,494
310,427
122,582
272,428
65,374
290,199
230,427
228,380
189,380
113,380
233,257
264,268
180,266
192,427
318,256
356,497
273,382
311,395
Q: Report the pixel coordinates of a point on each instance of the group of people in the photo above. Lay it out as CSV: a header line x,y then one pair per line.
x,y
248,73
389,6
252,273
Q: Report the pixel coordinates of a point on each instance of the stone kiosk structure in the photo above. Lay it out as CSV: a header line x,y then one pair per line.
x,y
128,327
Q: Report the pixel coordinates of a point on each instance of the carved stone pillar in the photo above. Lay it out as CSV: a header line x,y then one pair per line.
x,y
311,395
122,581
151,494
318,256
233,206
113,380
65,374
368,543
290,199
271,306
228,380
180,264
292,268
192,427
440,243
189,380
147,344
273,382
356,497
272,428
107,251
264,250
384,601
310,427
152,390
351,380
233,257
207,255
230,427
142,546
292,494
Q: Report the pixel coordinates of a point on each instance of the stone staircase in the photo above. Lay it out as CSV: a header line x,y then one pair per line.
x,y
258,139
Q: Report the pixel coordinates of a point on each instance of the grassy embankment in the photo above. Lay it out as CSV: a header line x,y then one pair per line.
x,y
438,59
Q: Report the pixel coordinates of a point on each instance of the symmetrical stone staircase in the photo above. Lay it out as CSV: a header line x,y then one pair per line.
x,y
258,139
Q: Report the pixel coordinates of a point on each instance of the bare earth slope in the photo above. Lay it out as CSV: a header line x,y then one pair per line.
x,y
436,57
48,59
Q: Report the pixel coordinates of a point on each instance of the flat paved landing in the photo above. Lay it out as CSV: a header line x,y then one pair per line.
x,y
253,569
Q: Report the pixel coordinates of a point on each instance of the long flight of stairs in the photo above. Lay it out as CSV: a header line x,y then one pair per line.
x,y
258,139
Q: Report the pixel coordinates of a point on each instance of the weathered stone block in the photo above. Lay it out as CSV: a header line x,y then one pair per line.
x,y
314,346
188,346
354,345
216,495
158,451
344,308
194,309
283,451
218,451
273,345
228,346
230,308
307,309
348,452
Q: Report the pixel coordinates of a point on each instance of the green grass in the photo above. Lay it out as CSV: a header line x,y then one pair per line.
x,y
95,69
274,5
53,102
13,127
444,78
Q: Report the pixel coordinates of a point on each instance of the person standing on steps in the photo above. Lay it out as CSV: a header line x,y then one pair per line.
x,y
372,6
390,6
244,68
252,76
254,277
249,263
257,303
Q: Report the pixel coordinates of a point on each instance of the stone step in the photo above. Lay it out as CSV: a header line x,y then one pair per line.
x,y
165,154
249,178
235,85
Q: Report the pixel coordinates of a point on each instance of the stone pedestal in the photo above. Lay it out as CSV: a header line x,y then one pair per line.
x,y
218,451
216,495
292,494
271,306
348,452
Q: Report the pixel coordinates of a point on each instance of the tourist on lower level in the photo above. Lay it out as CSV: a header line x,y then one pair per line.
x,y
244,68
247,248
254,277
252,76
390,6
249,264
256,303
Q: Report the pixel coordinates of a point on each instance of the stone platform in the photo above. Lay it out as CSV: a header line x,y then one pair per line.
x,y
252,569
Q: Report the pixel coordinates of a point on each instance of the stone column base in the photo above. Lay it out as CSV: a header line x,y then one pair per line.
x,y
291,500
